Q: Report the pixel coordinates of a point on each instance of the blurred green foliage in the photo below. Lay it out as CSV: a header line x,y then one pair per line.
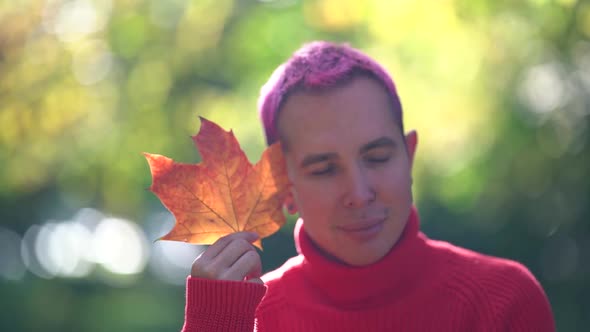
x,y
499,92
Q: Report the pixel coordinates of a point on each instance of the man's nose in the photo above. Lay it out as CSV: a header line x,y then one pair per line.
x,y
360,190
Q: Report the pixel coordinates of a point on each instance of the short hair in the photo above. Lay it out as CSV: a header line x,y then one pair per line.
x,y
319,65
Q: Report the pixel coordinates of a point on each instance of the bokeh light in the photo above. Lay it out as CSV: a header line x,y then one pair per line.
x,y
11,264
73,20
120,246
170,261
72,248
92,62
543,88
61,249
560,258
29,255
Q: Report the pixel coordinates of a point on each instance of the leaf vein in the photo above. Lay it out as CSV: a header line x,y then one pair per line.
x,y
205,204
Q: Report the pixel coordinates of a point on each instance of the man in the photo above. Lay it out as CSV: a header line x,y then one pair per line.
x,y
363,264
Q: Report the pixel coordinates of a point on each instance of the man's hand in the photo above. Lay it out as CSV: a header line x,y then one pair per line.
x,y
232,257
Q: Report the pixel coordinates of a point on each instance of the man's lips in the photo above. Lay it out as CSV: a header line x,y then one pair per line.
x,y
363,230
362,224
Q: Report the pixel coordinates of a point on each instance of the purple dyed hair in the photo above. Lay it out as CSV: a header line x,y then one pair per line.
x,y
319,65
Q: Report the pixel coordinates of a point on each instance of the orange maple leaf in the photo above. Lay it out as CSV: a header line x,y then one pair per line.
x,y
224,193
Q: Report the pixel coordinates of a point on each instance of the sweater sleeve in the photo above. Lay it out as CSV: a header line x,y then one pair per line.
x,y
220,305
521,302
531,311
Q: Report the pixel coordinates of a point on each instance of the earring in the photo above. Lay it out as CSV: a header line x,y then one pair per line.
x,y
291,208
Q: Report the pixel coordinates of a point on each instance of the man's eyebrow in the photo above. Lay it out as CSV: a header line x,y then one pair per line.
x,y
317,158
378,143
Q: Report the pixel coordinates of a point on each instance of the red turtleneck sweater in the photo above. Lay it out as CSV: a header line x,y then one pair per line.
x,y
421,285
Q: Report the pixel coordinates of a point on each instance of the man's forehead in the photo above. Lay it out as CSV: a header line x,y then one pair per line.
x,y
356,113
325,150
338,141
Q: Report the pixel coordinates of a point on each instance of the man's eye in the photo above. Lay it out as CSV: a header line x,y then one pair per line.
x,y
378,160
324,171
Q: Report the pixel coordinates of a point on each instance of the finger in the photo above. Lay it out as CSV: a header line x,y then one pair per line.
x,y
219,266
213,268
256,272
256,281
230,254
247,265
223,242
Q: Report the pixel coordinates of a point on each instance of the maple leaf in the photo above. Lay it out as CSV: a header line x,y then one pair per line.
x,y
224,193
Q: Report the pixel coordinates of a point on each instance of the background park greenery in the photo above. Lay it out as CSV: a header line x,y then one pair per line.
x,y
499,92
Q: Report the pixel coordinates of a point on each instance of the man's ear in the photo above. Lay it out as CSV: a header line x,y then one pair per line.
x,y
411,145
289,203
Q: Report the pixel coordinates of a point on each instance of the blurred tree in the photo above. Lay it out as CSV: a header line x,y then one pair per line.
x,y
498,91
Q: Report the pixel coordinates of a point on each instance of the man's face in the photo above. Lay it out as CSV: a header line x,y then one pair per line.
x,y
350,167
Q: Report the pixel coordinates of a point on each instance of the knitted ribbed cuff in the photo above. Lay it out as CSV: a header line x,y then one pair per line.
x,y
221,305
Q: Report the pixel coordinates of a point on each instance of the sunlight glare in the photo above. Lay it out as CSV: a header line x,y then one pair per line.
x,y
120,246
543,89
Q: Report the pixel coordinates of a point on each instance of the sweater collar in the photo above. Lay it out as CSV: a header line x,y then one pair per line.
x,y
394,275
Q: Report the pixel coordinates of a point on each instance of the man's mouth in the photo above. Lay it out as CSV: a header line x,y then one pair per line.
x,y
364,229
